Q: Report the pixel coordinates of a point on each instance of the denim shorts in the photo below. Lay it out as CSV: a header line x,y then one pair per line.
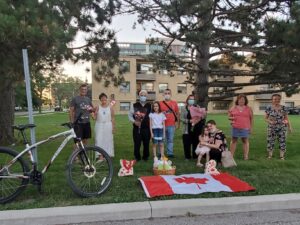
x,y
240,133
158,134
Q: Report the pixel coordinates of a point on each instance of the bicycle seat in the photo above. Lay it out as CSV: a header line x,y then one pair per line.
x,y
23,127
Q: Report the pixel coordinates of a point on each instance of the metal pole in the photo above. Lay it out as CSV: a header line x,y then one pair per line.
x,y
29,99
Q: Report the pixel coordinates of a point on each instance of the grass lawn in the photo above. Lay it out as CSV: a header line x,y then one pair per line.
x,y
267,176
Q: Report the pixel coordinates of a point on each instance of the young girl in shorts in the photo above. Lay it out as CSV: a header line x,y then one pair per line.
x,y
157,129
201,149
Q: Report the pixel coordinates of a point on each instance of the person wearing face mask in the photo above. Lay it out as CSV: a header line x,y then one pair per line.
x,y
192,128
170,109
139,116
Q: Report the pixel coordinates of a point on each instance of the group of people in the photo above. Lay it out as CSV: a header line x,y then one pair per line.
x,y
159,120
80,110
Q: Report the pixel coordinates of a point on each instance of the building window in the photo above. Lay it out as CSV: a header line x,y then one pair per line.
x,y
124,106
145,68
181,71
163,71
264,105
181,106
125,87
221,105
289,104
162,87
125,66
148,86
181,88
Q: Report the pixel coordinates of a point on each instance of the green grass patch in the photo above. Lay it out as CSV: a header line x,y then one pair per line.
x,y
267,176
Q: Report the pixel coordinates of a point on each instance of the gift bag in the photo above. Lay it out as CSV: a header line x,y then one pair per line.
x,y
227,159
126,167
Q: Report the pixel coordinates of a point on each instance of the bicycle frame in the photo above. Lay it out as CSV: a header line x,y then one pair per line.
x,y
70,134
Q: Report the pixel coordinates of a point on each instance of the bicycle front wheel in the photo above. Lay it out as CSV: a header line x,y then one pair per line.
x,y
88,176
13,176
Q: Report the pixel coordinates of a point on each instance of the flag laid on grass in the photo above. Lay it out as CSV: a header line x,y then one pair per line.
x,y
192,184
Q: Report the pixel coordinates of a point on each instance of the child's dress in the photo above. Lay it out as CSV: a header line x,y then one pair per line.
x,y
203,149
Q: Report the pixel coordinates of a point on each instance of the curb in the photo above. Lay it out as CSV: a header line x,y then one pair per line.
x,y
148,209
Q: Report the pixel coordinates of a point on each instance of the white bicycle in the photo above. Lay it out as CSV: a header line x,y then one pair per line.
x,y
86,175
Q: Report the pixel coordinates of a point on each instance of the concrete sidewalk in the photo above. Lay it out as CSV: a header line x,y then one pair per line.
x,y
148,209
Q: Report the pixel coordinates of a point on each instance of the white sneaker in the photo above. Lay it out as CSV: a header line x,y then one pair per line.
x,y
199,164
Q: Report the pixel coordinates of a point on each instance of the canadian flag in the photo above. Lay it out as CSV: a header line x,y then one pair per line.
x,y
192,184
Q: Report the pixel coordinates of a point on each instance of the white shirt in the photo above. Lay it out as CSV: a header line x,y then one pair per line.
x,y
157,120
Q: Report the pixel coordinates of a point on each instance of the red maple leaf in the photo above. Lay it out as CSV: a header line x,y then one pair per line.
x,y
192,180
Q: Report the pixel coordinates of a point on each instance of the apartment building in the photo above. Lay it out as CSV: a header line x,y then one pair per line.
x,y
141,75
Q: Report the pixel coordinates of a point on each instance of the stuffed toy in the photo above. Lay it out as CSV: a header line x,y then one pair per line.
x,y
163,164
210,167
126,167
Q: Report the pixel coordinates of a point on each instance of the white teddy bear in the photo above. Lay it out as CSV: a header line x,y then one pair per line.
x,y
210,167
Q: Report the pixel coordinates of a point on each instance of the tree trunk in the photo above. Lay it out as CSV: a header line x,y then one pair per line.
x,y
7,110
201,78
202,61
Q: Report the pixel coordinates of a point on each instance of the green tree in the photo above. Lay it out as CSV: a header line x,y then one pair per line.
x,y
21,98
48,30
41,81
262,35
64,88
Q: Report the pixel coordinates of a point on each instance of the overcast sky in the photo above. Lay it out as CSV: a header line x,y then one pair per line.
x,y
123,25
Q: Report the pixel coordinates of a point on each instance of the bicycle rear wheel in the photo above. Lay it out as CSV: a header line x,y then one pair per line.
x,y
14,177
89,179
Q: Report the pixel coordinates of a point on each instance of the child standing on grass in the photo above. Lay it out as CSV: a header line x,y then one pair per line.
x,y
157,129
202,149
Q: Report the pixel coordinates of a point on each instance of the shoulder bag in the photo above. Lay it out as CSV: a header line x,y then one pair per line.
x,y
171,110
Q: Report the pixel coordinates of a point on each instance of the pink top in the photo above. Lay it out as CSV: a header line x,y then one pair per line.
x,y
241,118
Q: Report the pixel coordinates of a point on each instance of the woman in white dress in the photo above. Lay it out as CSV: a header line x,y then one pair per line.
x,y
104,126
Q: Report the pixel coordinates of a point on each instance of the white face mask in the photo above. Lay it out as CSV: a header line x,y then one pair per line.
x,y
167,97
143,98
191,101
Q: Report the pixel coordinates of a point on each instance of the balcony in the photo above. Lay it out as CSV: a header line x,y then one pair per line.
x,y
263,96
220,93
225,78
150,97
143,75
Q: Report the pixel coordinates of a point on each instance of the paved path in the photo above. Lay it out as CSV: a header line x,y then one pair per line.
x,y
35,113
149,209
275,217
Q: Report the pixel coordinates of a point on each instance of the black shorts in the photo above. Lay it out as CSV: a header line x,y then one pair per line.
x,y
83,130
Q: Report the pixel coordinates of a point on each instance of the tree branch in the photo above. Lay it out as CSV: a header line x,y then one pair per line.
x,y
227,84
236,49
237,72
230,95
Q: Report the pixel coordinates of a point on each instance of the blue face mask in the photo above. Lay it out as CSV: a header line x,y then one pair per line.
x,y
143,98
191,101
